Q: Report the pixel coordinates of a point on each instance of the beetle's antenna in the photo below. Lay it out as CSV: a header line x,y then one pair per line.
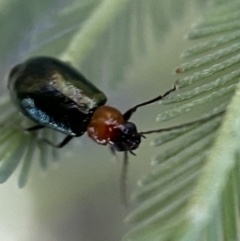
x,y
127,115
123,179
203,120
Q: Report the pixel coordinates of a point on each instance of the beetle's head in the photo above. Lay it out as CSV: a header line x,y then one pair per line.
x,y
128,138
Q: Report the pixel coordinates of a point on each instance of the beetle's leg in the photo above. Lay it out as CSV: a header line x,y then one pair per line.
x,y
59,145
33,128
127,115
123,179
113,152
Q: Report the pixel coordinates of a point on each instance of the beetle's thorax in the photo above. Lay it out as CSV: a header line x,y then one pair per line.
x,y
105,124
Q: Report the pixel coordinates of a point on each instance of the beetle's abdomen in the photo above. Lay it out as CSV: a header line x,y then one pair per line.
x,y
104,125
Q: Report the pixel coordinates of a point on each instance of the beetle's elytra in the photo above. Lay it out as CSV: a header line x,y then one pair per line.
x,y
54,95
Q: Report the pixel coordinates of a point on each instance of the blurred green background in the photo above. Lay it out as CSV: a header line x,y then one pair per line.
x,y
132,59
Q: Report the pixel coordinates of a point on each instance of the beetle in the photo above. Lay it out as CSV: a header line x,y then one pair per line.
x,y
55,95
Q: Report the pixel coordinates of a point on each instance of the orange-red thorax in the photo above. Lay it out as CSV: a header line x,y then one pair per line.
x,y
105,124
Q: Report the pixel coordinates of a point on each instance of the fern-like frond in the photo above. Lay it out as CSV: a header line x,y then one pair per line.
x,y
17,146
193,192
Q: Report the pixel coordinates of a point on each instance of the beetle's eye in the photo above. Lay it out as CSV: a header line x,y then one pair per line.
x,y
125,130
129,128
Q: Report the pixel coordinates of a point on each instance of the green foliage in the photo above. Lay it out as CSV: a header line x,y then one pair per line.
x,y
192,192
